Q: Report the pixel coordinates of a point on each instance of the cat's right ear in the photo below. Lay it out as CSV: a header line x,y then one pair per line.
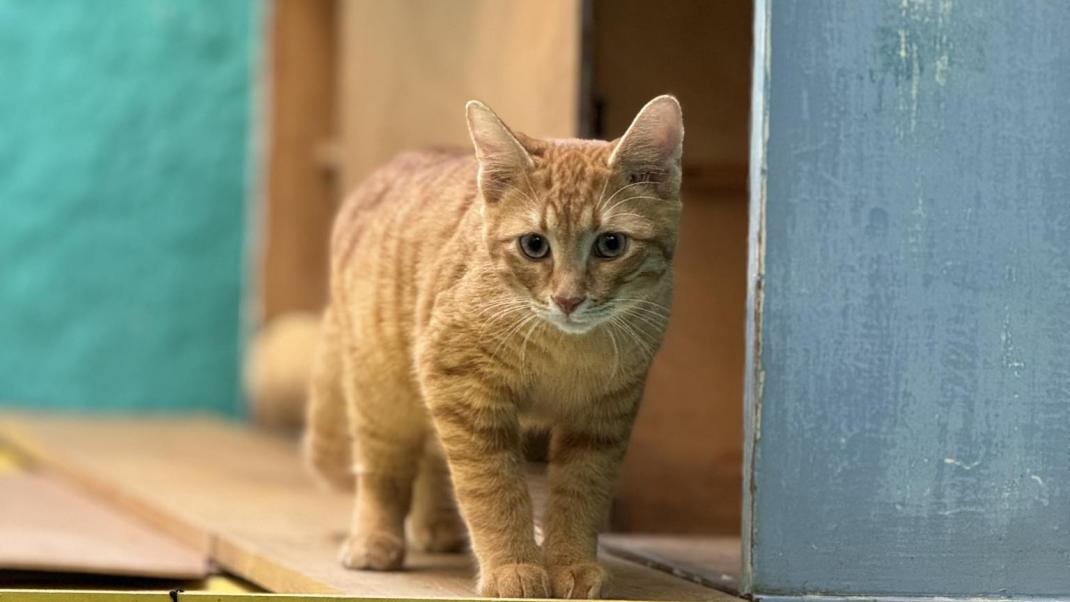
x,y
502,159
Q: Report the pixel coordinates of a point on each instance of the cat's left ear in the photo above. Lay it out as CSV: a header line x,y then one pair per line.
x,y
652,147
502,159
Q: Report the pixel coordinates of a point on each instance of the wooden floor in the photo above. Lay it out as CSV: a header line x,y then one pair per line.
x,y
47,525
241,498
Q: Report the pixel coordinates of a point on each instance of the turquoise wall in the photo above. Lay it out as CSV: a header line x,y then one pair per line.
x,y
124,174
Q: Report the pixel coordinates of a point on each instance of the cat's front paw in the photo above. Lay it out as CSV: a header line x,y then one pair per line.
x,y
376,551
583,580
515,581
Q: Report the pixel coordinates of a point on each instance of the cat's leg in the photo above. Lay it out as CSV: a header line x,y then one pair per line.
x,y
585,458
435,523
327,440
480,433
389,429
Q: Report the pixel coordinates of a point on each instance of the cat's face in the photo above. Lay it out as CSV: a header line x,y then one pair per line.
x,y
584,231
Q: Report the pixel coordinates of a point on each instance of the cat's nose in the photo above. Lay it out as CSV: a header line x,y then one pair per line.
x,y
569,304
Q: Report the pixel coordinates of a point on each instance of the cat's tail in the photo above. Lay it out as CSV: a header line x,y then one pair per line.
x,y
278,366
293,379
328,442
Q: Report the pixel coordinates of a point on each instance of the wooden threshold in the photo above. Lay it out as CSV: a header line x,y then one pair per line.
x,y
713,561
243,498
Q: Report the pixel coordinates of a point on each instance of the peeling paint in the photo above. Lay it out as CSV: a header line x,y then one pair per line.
x,y
921,45
961,464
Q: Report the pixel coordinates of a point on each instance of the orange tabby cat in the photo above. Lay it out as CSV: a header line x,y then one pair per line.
x,y
473,297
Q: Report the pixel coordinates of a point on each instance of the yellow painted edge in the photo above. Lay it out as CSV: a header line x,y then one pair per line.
x,y
222,584
89,596
9,462
8,595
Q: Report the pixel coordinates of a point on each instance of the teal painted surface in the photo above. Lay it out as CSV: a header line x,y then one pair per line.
x,y
124,170
909,386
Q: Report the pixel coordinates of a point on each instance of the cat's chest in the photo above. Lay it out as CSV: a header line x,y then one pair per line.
x,y
567,383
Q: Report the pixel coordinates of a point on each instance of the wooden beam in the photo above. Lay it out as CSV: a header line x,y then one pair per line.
x,y
301,188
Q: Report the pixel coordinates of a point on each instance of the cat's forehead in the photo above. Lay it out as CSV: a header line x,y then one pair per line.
x,y
570,169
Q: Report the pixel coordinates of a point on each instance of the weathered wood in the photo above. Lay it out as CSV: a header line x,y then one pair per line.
x,y
48,526
909,382
711,561
245,497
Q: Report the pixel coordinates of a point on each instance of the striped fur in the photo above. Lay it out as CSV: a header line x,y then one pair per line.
x,y
441,345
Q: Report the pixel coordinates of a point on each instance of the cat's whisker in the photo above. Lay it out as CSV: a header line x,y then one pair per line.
x,y
650,321
624,214
526,196
637,336
531,188
646,310
501,306
513,331
501,302
505,313
502,313
602,194
533,204
618,191
524,345
645,302
501,338
616,322
631,198
616,352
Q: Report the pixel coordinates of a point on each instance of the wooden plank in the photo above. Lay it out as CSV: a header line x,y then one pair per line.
x,y
49,526
711,561
247,496
408,67
301,190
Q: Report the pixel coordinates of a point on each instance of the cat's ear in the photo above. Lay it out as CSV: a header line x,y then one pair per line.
x,y
502,159
654,143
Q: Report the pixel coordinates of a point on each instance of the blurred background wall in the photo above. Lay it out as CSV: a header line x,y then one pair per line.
x,y
353,82
127,171
125,156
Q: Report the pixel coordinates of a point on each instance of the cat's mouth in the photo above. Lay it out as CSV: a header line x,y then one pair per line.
x,y
572,324
579,322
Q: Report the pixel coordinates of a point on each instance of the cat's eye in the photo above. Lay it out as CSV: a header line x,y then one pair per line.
x,y
535,246
610,244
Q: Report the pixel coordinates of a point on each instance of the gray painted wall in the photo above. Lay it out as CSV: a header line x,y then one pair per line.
x,y
909,373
